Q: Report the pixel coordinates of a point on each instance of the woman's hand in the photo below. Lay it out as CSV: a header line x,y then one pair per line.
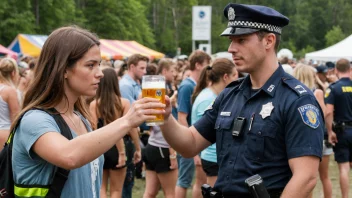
x,y
137,157
143,110
122,160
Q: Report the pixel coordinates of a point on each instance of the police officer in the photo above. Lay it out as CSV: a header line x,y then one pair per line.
x,y
338,99
267,123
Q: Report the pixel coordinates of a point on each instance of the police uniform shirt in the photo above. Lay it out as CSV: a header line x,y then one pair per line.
x,y
339,94
286,121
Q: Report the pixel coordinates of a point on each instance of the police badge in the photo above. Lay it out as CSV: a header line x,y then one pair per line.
x,y
231,14
266,110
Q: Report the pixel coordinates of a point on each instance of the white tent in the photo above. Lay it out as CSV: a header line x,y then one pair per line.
x,y
342,49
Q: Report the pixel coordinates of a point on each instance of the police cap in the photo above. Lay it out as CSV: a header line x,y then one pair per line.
x,y
246,19
322,69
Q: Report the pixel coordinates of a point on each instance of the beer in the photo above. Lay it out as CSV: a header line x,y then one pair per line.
x,y
154,87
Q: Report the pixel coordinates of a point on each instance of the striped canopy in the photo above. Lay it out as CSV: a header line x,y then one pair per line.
x,y
31,45
4,50
117,50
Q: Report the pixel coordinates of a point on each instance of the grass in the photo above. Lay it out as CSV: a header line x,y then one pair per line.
x,y
139,187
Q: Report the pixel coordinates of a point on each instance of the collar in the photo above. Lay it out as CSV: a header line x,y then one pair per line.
x,y
192,80
345,79
130,79
270,85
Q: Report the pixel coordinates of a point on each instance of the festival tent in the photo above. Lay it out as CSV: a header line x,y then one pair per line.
x,y
342,49
117,50
29,45
4,50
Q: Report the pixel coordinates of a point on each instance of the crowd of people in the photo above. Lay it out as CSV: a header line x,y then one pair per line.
x,y
225,120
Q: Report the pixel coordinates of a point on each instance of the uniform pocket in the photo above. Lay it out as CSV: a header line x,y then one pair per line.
x,y
223,134
261,142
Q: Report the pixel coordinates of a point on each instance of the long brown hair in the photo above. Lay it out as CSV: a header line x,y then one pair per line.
x,y
212,74
63,48
109,105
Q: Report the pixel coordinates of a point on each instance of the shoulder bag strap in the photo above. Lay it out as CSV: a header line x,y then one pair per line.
x,y
61,175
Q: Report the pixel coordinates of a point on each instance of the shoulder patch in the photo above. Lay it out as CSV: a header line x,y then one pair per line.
x,y
327,92
210,106
235,83
295,85
309,114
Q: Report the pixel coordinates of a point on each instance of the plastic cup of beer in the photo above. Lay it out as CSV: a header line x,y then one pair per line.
x,y
153,86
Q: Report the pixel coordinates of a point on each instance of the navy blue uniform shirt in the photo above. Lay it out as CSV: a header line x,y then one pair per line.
x,y
339,94
286,121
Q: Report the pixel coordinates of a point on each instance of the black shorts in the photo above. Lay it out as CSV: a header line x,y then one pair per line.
x,y
156,159
343,148
211,169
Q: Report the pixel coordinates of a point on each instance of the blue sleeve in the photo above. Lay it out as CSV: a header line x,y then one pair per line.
x,y
127,92
206,124
330,95
203,106
33,125
184,99
304,128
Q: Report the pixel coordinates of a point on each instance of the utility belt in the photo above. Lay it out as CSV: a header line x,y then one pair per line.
x,y
256,189
339,127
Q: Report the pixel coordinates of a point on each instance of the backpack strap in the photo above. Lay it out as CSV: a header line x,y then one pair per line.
x,y
61,175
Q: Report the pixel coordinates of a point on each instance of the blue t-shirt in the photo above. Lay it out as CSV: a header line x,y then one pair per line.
x,y
184,97
202,102
129,88
29,168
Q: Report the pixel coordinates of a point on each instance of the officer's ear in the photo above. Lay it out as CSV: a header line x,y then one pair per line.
x,y
269,40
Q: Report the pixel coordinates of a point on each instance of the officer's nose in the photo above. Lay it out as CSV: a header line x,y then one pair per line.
x,y
232,48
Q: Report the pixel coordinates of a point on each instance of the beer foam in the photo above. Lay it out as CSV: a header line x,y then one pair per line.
x,y
148,85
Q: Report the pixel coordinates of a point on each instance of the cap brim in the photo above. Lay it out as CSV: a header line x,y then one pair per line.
x,y
233,31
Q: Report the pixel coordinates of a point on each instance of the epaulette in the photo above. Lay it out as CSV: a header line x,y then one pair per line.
x,y
235,83
296,85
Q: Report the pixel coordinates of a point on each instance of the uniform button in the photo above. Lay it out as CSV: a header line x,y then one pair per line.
x,y
259,133
258,158
227,177
230,161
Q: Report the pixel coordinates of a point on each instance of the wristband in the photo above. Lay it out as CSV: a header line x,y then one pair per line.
x,y
173,156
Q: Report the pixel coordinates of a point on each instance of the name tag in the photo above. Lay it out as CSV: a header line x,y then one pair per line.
x,y
225,113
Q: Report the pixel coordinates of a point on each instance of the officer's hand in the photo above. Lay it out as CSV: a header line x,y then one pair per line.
x,y
143,110
197,160
137,157
168,108
332,138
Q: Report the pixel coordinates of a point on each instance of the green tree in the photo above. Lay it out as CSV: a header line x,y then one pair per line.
x,y
334,35
121,20
51,14
16,17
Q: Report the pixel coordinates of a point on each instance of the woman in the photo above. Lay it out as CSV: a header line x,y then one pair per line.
x,y
67,70
9,104
115,159
212,81
158,156
306,74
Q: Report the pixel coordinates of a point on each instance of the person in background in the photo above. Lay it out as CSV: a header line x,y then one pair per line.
x,y
130,89
115,159
321,77
198,60
65,73
158,156
9,103
338,121
306,74
122,71
212,81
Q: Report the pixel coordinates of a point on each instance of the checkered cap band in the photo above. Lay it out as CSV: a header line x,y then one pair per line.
x,y
255,25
